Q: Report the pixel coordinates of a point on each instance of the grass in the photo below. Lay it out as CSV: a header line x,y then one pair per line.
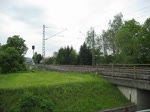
x,y
68,91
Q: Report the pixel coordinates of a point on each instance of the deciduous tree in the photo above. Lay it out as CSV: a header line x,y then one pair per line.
x,y
37,58
127,42
12,55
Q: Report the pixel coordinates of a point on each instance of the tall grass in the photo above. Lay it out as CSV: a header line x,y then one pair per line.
x,y
68,91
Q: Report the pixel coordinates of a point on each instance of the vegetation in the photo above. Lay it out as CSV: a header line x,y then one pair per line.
x,y
124,42
12,55
64,56
85,55
37,58
58,92
127,40
29,103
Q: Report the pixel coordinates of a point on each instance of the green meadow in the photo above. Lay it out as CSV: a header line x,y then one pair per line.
x,y
57,92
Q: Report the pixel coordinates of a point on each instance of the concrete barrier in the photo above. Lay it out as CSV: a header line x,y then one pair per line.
x,y
131,108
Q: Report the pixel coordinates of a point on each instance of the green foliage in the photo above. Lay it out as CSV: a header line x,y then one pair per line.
x,y
124,42
66,56
144,43
90,39
12,55
18,43
9,60
110,35
85,55
105,42
37,58
49,60
52,59
73,57
66,91
127,42
29,103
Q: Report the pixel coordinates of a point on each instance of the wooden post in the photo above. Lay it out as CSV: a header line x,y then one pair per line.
x,y
134,72
112,70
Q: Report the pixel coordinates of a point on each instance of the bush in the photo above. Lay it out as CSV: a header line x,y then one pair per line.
x,y
33,103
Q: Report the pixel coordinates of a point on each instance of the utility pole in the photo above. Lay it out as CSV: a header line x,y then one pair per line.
x,y
43,44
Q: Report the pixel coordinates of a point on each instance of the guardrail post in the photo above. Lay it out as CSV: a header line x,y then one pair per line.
x,y
134,72
112,70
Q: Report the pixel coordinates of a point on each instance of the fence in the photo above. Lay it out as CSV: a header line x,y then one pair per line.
x,y
132,71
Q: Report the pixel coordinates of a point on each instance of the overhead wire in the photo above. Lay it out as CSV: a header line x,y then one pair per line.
x,y
139,10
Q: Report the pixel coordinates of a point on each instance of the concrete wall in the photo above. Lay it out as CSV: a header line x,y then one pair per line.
x,y
131,108
138,96
143,97
129,93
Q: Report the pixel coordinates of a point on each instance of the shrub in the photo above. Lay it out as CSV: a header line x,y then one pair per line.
x,y
33,103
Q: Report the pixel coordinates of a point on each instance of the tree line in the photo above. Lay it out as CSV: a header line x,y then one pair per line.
x,y
128,41
124,42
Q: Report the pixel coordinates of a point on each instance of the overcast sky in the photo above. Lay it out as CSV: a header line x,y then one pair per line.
x,y
26,18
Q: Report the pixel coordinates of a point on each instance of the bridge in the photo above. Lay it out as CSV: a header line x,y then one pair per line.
x,y
132,80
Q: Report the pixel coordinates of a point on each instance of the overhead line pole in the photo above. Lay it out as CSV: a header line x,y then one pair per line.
x,y
93,49
43,44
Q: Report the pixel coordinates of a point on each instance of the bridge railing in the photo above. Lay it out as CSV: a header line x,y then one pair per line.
x,y
133,71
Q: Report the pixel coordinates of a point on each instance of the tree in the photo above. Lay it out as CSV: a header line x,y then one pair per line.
x,y
110,34
66,56
144,43
12,55
9,60
18,43
49,60
127,42
73,57
37,58
60,56
94,44
105,45
85,55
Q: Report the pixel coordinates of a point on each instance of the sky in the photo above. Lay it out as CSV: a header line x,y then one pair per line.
x,y
27,17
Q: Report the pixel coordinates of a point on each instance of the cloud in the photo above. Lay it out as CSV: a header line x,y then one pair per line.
x,y
26,17
24,12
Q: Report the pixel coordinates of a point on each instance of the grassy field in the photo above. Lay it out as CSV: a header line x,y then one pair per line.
x,y
67,91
